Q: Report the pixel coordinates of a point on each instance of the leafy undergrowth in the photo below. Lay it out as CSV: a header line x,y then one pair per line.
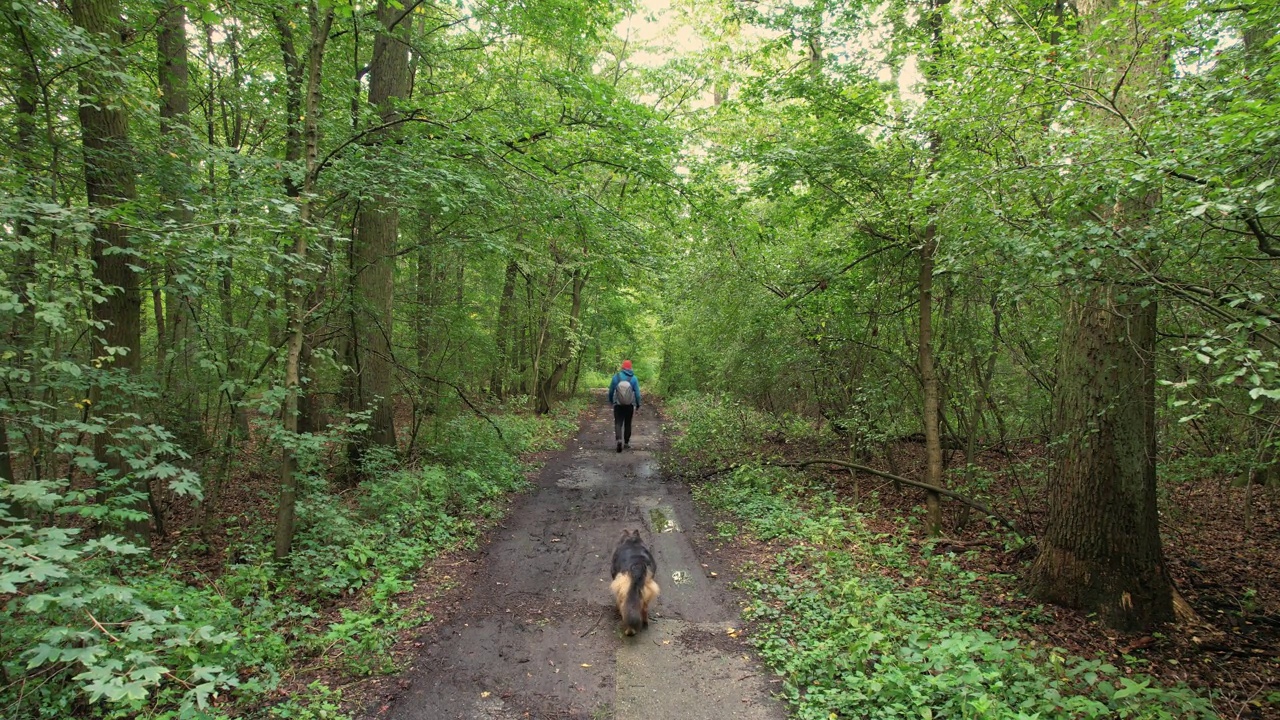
x,y
858,625
99,628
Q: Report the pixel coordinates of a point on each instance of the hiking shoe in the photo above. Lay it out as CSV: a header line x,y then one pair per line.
x,y
626,446
619,446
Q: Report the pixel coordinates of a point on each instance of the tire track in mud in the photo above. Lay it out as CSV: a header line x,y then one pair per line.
x,y
538,635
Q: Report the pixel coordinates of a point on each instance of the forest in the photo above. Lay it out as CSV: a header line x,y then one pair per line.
x,y
292,294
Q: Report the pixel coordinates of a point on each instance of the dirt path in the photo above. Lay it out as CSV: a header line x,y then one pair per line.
x,y
538,636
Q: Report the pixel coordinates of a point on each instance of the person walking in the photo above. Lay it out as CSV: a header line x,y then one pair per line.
x,y
624,396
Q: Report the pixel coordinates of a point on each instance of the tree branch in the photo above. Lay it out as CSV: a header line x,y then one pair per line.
x,y
913,483
888,476
315,173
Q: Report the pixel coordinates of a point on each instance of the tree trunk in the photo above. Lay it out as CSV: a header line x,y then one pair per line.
x,y
524,336
375,242
26,97
424,309
175,107
539,345
929,384
989,397
320,25
460,283
294,73
1101,547
505,331
1101,550
109,183
928,372
294,149
548,386
285,520
175,187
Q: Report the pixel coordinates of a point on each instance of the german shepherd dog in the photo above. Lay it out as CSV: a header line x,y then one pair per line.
x,y
633,586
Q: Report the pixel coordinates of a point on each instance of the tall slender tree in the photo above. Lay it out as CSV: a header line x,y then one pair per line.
x,y
109,184
26,100
931,415
321,21
175,311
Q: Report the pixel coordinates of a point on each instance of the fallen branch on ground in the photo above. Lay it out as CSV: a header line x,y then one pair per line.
x,y
888,476
913,483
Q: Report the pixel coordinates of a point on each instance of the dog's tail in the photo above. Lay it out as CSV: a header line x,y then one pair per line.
x,y
632,605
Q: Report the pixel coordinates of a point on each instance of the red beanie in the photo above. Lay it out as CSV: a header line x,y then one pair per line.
x,y
626,364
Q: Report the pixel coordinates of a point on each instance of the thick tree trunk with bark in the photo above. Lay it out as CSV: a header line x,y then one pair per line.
x,y
1101,550
109,183
376,240
1101,547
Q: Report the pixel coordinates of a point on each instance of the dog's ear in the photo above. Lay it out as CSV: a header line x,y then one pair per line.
x,y
625,536
635,534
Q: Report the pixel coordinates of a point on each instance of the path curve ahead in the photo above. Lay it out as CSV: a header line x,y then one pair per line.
x,y
538,635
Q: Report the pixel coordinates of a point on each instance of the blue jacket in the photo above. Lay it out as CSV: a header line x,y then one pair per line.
x,y
631,378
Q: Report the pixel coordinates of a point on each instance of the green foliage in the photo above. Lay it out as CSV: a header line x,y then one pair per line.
x,y
771,240
714,430
851,641
842,616
73,620
317,703
154,641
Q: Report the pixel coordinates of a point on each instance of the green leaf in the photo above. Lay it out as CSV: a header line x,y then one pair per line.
x,y
149,675
42,654
1130,688
9,581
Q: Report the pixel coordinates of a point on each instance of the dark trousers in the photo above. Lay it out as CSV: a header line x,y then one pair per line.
x,y
622,422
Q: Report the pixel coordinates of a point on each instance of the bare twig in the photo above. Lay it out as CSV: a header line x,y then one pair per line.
x,y
593,627
100,627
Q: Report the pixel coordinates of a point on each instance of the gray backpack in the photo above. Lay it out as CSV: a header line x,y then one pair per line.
x,y
623,394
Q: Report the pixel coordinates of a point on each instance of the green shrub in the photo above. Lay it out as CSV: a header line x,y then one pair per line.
x,y
317,703
850,642
95,627
713,432
95,621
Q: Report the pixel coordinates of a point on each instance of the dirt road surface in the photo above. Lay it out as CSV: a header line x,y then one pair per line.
x,y
538,635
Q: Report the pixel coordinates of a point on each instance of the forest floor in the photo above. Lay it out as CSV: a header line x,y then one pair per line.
x,y
524,626
1226,565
